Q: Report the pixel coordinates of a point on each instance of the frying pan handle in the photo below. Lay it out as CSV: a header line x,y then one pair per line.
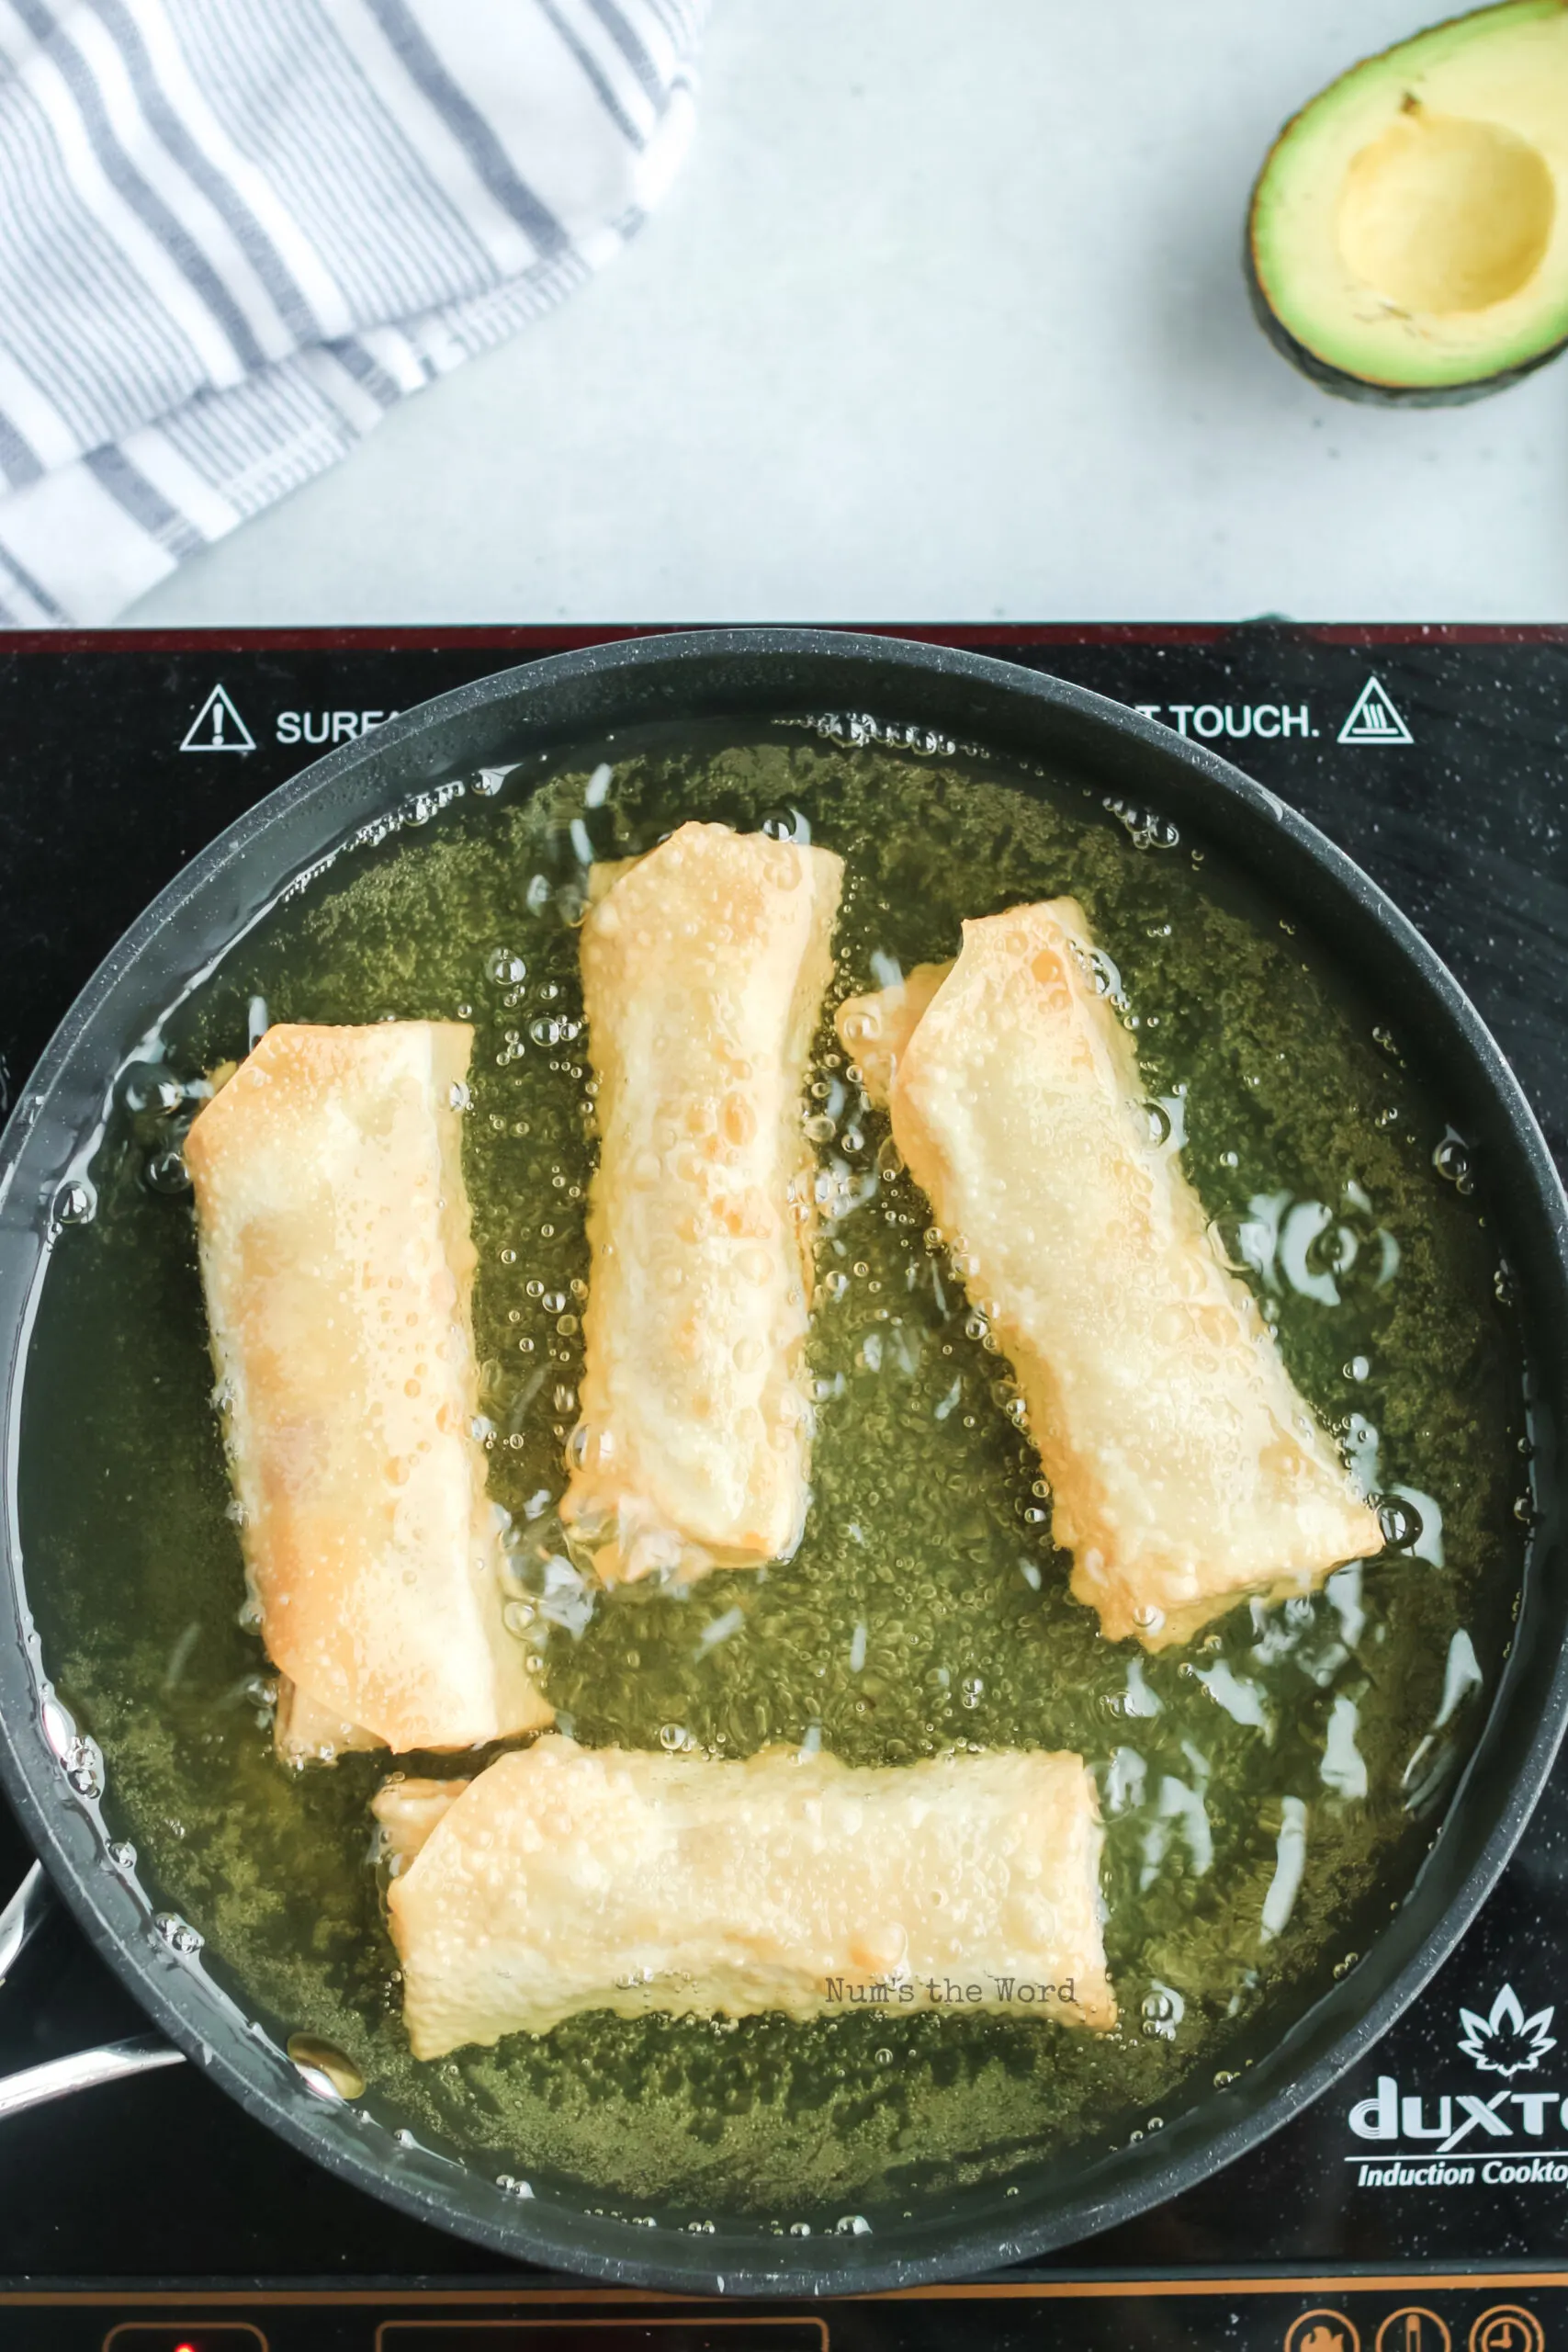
x,y
83,2071
31,1905
28,1908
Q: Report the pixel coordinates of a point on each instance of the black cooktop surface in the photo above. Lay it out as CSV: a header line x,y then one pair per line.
x,y
1424,2202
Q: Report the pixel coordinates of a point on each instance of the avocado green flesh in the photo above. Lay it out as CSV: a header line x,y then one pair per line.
x,y
1409,230
1308,1746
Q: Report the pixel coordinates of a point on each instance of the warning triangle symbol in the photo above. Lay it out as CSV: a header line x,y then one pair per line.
x,y
217,727
1374,718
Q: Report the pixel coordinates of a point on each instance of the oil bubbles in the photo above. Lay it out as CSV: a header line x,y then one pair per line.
x,y
1145,828
324,2069
786,825
178,1934
1160,2013
75,1203
166,1172
1451,1158
152,1087
1399,1522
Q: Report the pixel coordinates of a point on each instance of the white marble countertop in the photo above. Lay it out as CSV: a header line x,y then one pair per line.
x,y
944,319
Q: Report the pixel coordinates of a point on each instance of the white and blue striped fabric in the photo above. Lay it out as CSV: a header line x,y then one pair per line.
x,y
234,233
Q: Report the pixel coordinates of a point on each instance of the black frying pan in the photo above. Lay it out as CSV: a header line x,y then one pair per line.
x,y
745,674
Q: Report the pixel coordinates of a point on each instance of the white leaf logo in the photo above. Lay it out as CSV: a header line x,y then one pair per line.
x,y
1507,2042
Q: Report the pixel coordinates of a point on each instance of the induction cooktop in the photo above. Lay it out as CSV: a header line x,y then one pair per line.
x,y
1422,2204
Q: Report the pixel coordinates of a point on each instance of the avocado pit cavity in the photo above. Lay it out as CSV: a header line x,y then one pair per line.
x,y
1443,214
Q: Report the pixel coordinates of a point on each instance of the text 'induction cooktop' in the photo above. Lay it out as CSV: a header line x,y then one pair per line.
x,y
1422,2205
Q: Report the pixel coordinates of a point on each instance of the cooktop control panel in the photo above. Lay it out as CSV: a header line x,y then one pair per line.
x,y
1524,2311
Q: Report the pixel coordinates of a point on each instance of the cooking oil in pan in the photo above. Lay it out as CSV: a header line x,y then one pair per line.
x,y
1268,1789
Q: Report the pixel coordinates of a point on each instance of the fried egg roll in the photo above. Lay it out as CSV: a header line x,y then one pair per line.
x,y
337,1264
704,968
1186,1470
566,1877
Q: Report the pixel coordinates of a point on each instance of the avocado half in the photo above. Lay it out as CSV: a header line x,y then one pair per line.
x,y
1408,235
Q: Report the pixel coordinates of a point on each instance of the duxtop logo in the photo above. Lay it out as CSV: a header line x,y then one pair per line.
x,y
1506,2042
1448,2139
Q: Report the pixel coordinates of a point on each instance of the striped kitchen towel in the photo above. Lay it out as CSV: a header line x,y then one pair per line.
x,y
234,233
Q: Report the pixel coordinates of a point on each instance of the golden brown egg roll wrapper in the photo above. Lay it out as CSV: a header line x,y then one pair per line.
x,y
566,1879
1185,1468
704,968
338,1267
